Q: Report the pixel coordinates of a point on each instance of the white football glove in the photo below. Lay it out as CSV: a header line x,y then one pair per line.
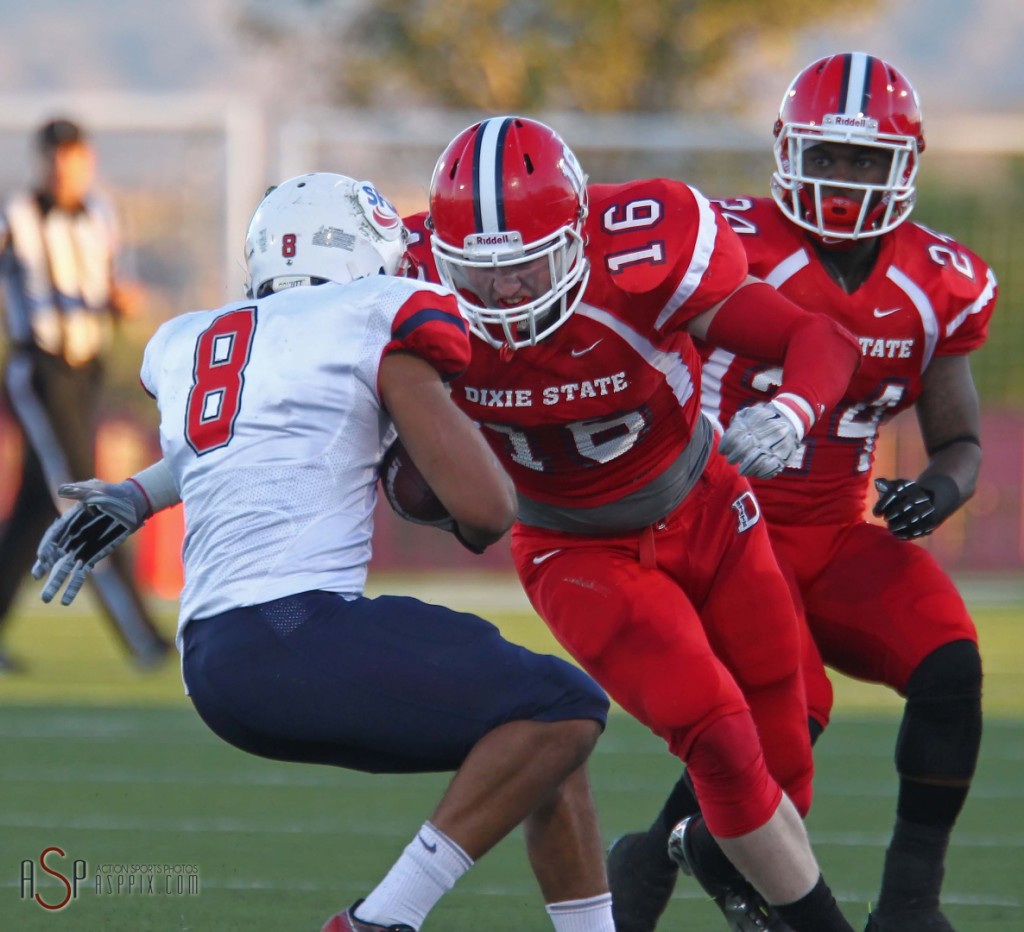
x,y
106,514
760,439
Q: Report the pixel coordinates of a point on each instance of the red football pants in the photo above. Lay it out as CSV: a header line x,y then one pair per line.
x,y
683,623
875,606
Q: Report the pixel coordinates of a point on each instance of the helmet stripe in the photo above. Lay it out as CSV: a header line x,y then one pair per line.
x,y
488,197
856,82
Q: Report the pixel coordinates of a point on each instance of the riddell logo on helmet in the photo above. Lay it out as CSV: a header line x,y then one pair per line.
x,y
850,122
493,239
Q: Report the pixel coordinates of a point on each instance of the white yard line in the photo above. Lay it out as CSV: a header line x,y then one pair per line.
x,y
377,828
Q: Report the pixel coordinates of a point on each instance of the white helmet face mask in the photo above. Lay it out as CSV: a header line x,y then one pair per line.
x,y
322,227
882,206
562,267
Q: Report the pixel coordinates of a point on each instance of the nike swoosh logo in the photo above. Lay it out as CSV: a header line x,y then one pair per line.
x,y
546,556
576,353
880,313
431,848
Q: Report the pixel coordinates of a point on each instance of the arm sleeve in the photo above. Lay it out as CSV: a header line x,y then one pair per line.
x,y
158,485
818,356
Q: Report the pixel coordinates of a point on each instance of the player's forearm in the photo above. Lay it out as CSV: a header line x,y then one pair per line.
x,y
949,415
959,461
821,358
818,355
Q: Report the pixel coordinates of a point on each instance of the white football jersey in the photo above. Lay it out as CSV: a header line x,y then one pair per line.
x,y
272,425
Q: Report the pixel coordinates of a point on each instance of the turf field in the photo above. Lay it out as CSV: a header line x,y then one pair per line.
x,y
113,767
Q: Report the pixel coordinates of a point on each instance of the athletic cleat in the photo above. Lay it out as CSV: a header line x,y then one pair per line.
x,y
930,921
745,910
641,883
347,922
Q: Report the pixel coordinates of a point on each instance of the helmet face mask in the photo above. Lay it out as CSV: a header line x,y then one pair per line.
x,y
538,284
322,227
507,206
852,100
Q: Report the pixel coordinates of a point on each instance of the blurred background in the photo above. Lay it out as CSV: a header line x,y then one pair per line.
x,y
197,106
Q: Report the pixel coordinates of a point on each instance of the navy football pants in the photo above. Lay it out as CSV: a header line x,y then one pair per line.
x,y
385,685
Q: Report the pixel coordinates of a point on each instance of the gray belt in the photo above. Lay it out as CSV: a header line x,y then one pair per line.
x,y
639,509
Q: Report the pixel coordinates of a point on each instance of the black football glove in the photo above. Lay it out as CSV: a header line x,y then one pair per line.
x,y
915,509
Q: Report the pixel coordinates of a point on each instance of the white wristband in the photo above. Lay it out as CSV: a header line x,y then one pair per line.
x,y
797,411
158,485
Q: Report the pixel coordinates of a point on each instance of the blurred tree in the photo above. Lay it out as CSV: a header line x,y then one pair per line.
x,y
492,55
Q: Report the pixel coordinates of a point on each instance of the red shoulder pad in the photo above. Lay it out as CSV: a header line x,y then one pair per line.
x,y
429,325
766,235
661,239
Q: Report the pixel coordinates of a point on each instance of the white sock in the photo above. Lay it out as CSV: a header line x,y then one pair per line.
x,y
590,915
426,871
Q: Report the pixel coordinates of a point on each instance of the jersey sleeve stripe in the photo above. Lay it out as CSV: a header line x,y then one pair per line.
x,y
425,316
975,306
923,306
713,373
787,268
707,233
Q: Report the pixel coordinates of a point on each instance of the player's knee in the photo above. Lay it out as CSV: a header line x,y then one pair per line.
x,y
582,734
580,697
735,790
941,727
953,670
801,797
568,742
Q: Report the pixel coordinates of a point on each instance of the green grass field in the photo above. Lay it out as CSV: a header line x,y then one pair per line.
x,y
115,768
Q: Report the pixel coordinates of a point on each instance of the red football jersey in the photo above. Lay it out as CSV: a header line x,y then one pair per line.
x,y
608,401
927,296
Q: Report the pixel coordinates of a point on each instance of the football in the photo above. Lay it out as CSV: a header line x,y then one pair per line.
x,y
407,491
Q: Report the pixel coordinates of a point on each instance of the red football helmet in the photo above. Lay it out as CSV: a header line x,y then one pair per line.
x,y
854,99
507,203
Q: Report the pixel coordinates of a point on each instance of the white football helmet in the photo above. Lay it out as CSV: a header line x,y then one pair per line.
x,y
322,227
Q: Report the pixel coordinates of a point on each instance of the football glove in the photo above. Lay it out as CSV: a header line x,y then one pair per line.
x,y
760,439
106,514
915,509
